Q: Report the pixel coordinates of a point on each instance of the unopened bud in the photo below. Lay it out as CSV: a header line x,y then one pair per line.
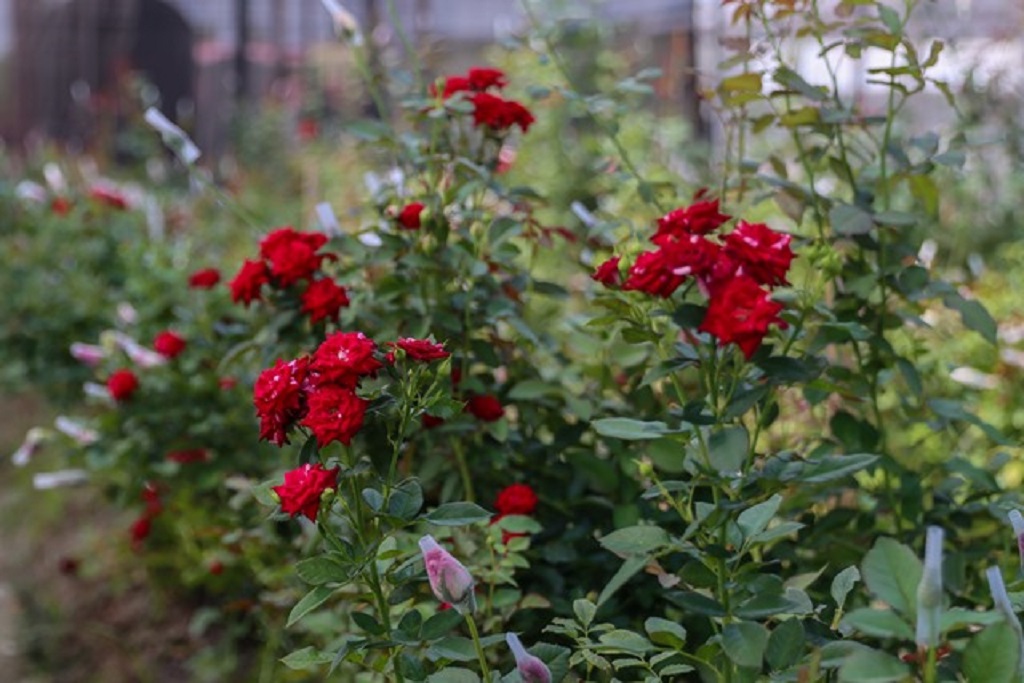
x,y
929,591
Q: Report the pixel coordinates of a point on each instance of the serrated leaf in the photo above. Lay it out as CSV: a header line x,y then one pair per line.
x,y
626,571
309,602
843,584
628,429
306,658
635,540
880,623
584,611
753,520
457,514
872,666
892,571
744,642
993,655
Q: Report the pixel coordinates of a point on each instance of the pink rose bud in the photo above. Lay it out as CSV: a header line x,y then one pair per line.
x,y
88,354
449,579
531,669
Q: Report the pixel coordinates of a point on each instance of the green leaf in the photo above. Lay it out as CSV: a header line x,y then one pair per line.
x,y
368,623
406,500
753,520
973,315
791,80
309,602
373,498
958,617
993,655
455,648
584,611
871,666
785,644
621,640
891,572
628,570
665,632
831,467
519,524
532,389
440,624
843,584
457,514
745,642
629,429
879,623
727,449
454,675
891,19
850,220
306,658
635,540
322,569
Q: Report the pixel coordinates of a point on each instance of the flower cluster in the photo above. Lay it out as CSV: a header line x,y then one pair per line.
x,y
736,273
288,258
490,110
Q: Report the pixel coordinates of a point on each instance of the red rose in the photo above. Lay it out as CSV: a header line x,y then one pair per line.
x,y
431,421
279,399
227,383
482,78
653,274
516,499
323,299
122,384
61,206
485,407
740,312
204,279
697,219
249,281
452,85
140,530
499,114
608,272
344,357
189,456
409,216
302,488
421,349
169,344
761,253
216,567
335,414
292,254
108,197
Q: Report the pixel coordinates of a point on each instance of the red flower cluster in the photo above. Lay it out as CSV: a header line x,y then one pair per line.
x,y
736,272
206,278
317,391
188,456
490,110
302,488
515,499
169,344
288,257
122,384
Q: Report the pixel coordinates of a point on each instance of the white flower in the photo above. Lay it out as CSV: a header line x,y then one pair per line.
x,y
328,221
29,447
43,481
77,431
174,137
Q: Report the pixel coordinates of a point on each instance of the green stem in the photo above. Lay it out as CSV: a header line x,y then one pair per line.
x,y
385,613
484,670
931,673
467,479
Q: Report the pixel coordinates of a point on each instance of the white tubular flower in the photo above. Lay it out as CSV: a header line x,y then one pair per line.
x,y
43,481
1017,520
929,592
77,431
139,354
345,24
30,446
175,138
1002,602
583,213
328,221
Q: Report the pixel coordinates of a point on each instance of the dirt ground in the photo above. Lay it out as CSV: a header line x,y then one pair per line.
x,y
75,606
